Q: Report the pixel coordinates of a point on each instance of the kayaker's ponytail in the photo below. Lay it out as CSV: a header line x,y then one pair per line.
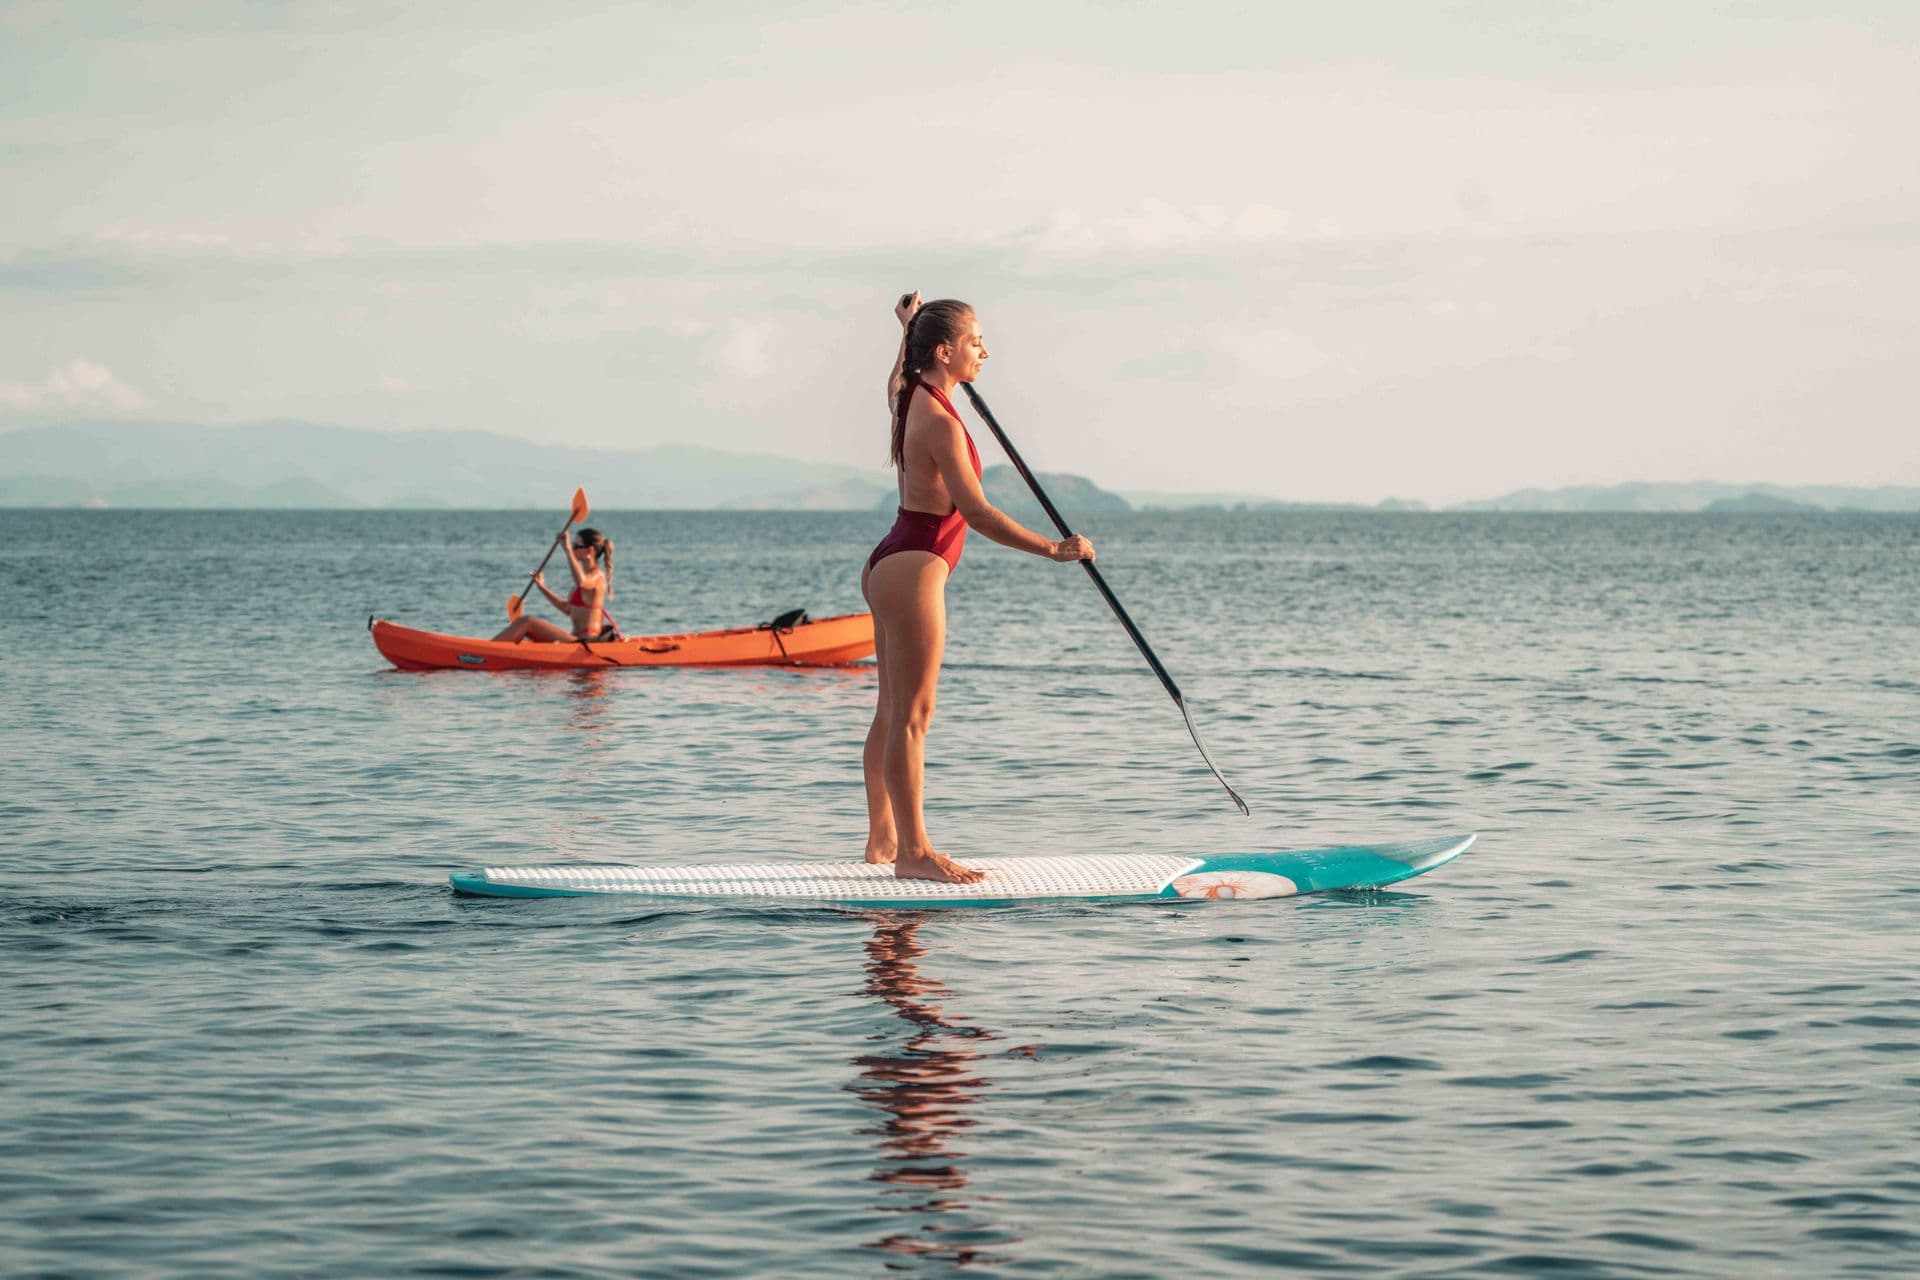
x,y
943,320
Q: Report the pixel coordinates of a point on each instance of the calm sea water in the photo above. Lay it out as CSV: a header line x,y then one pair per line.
x,y
1662,1021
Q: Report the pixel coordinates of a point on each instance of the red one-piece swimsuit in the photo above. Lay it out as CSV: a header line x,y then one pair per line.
x,y
923,530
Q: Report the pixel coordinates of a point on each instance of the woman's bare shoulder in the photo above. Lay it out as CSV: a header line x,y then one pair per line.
x,y
926,418
933,430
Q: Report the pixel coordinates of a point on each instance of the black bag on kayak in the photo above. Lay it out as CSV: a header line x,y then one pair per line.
x,y
784,622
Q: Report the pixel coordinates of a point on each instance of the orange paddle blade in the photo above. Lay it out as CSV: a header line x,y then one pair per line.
x,y
579,506
515,607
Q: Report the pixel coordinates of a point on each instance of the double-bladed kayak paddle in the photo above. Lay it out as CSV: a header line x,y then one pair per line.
x,y
516,605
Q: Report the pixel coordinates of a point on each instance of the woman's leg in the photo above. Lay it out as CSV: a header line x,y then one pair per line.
x,y
526,627
908,593
882,840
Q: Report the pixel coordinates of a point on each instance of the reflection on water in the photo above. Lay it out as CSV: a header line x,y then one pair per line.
x,y
587,706
925,1089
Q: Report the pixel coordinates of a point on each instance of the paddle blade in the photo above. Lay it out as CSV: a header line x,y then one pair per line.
x,y
1193,731
515,607
579,507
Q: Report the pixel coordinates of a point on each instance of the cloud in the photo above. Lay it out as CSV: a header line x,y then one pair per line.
x,y
1157,225
743,349
150,238
77,384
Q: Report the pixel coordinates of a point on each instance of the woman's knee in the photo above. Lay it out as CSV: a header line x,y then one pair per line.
x,y
914,714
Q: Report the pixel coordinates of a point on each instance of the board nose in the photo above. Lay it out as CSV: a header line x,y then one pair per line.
x,y
1443,850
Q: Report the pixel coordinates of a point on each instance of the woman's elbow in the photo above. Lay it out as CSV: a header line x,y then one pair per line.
x,y
982,515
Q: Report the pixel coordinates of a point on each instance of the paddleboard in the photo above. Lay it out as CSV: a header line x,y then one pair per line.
x,y
1115,877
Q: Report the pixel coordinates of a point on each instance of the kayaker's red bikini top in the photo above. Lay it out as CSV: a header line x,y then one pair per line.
x,y
578,600
923,530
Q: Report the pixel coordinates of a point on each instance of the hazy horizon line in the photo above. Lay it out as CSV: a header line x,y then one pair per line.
x,y
1223,496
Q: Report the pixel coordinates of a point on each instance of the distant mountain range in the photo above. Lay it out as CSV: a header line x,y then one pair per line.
x,y
304,464
289,464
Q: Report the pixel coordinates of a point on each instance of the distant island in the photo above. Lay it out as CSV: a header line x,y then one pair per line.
x,y
1006,490
1760,504
1706,496
288,464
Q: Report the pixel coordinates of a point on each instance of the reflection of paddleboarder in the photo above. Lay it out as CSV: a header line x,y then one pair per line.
x,y
906,576
925,1089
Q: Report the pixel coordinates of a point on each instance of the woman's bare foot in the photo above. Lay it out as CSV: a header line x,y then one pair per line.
x,y
934,866
881,851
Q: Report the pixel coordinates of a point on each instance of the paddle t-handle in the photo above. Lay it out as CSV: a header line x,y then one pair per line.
x,y
516,605
1106,592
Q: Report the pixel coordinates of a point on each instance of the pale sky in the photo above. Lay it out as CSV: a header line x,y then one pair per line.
x,y
1423,249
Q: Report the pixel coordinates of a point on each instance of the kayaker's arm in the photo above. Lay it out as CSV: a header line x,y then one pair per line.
x,y
950,455
547,591
573,564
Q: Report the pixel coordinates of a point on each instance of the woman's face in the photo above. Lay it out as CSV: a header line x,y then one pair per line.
x,y
964,357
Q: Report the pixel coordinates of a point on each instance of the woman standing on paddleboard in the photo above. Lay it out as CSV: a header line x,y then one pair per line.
x,y
905,580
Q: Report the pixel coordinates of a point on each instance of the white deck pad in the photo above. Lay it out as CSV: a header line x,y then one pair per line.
x,y
1100,876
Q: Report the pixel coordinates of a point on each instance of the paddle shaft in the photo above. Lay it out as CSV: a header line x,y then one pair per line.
x,y
558,538
1100,584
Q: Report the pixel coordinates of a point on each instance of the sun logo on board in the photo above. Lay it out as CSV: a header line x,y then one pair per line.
x,y
1235,884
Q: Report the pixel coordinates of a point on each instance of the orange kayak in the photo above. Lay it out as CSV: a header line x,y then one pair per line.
x,y
825,642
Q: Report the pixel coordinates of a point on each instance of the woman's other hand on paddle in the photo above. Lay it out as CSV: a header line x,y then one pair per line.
x,y
540,581
903,310
1075,547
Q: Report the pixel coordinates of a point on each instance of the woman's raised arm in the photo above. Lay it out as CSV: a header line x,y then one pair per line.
x,y
573,562
903,312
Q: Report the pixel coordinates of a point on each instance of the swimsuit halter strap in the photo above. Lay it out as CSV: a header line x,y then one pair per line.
x,y
939,395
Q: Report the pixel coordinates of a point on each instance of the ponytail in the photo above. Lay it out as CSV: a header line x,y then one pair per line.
x,y
606,548
903,394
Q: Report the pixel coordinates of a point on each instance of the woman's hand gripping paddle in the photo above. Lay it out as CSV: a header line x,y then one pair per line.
x,y
1106,592
517,605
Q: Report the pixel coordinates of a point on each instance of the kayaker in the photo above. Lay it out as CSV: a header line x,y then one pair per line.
x,y
905,578
590,558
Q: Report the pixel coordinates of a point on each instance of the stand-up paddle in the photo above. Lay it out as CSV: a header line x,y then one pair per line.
x,y
1106,592
516,605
